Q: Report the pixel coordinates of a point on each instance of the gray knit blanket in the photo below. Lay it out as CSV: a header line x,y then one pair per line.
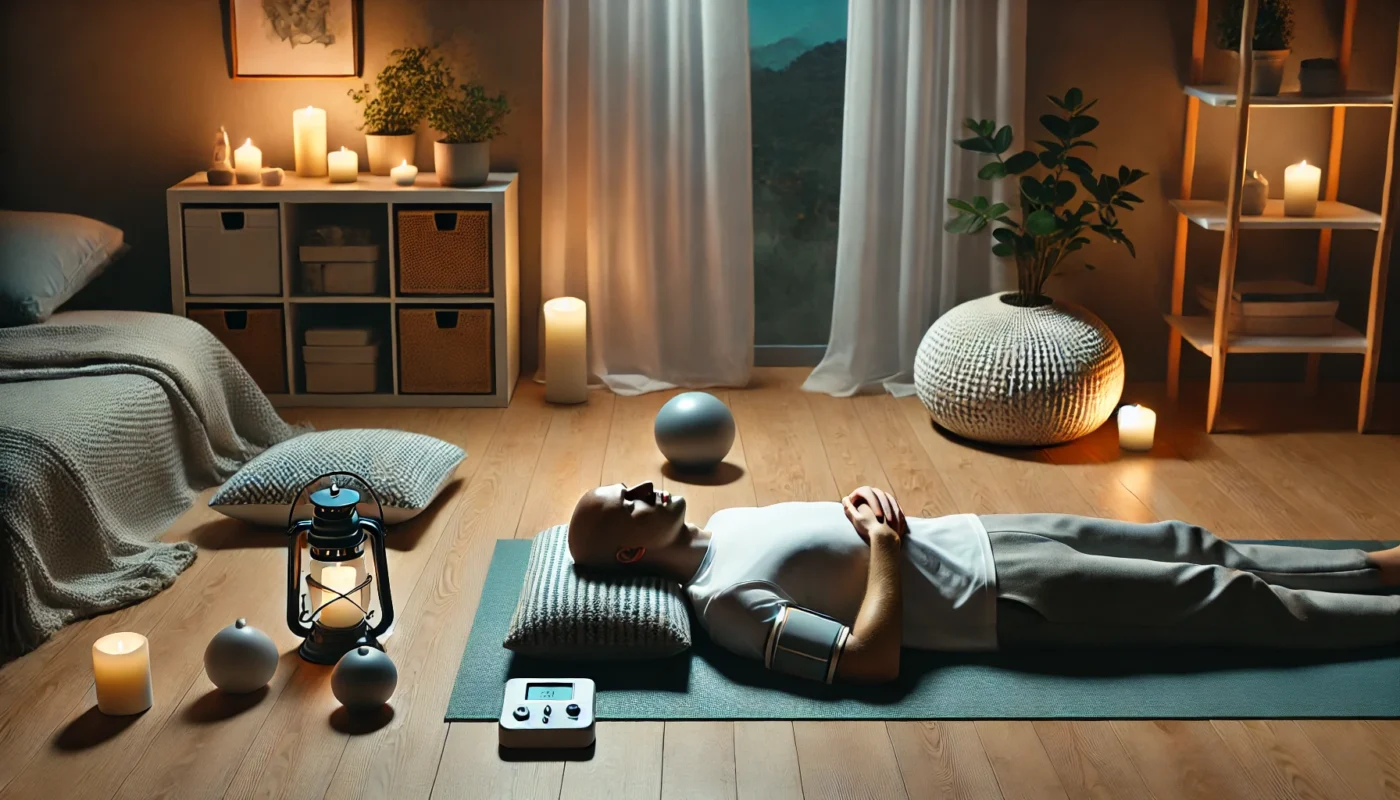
x,y
110,424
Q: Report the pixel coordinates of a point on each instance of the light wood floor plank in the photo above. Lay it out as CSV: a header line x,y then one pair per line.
x,y
943,759
1366,753
765,761
1280,760
1019,760
1090,760
570,464
843,760
471,770
1184,759
783,446
912,475
698,761
625,766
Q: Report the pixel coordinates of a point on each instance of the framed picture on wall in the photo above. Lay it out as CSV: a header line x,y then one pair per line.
x,y
295,38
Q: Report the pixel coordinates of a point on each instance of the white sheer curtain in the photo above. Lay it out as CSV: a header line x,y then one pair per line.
x,y
647,186
914,70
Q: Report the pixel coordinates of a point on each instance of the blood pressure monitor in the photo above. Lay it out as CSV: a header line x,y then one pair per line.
x,y
547,713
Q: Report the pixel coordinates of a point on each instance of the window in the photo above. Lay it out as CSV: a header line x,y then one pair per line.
x,y
797,53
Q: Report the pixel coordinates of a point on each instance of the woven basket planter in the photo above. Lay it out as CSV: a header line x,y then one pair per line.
x,y
994,372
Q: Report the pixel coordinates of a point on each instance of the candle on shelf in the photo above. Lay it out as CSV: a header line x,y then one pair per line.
x,y
1300,182
343,165
565,350
1136,427
340,613
404,174
121,667
309,141
247,163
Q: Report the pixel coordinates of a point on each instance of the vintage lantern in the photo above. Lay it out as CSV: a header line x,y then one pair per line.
x,y
328,592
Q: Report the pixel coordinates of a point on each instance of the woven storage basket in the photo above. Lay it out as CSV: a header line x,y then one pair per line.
x,y
998,373
444,252
254,336
446,351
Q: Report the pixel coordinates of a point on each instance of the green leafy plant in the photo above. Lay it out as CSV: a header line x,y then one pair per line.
x,y
468,114
414,79
1273,25
1050,229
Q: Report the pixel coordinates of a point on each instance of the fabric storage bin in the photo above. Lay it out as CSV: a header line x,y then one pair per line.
x,y
444,252
254,336
340,378
446,351
232,251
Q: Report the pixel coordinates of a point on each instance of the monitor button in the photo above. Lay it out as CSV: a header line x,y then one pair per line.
x,y
573,710
548,711
522,713
544,720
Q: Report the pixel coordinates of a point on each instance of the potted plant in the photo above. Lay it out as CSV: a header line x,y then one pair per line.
x,y
468,120
399,99
1273,36
1018,367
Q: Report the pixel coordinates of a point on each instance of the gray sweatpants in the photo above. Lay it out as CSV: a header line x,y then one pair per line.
x,y
1081,581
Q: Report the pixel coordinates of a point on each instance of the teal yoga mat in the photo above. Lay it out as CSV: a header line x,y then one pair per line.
x,y
709,683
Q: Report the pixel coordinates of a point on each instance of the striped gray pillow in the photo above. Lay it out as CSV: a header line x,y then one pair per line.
x,y
567,614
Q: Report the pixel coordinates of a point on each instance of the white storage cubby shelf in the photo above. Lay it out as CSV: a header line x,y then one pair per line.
x,y
489,316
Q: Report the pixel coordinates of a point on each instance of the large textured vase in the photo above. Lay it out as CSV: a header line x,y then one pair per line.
x,y
998,373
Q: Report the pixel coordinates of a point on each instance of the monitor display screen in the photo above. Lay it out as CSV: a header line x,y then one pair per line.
x,y
549,691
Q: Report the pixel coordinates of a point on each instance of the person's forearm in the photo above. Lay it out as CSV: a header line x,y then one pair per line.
x,y
871,654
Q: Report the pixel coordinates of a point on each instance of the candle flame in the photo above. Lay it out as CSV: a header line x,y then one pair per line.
x,y
121,646
1303,163
342,148
248,143
403,163
310,108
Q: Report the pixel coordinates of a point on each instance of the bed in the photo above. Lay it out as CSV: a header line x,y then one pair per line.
x,y
111,422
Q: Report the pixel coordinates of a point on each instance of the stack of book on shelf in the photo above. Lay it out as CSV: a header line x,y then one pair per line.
x,y
341,360
1275,308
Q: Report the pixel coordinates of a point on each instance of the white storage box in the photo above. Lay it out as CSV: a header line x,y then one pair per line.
x,y
339,277
232,251
340,337
330,354
340,378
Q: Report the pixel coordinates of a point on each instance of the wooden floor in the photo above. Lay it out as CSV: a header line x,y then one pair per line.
x,y
527,465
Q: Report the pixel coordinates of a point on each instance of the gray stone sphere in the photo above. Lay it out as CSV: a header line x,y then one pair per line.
x,y
364,679
240,658
695,430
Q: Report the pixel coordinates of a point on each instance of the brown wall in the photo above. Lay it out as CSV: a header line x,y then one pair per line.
x,y
1133,55
108,103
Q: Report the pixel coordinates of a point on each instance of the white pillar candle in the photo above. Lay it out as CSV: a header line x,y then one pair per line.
x,y
343,165
1136,427
309,141
1300,182
121,667
340,613
404,174
247,163
565,350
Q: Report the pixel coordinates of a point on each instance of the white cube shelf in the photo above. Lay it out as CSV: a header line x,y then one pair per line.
x,y
292,203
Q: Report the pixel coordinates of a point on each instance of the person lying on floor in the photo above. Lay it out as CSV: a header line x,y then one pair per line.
x,y
825,590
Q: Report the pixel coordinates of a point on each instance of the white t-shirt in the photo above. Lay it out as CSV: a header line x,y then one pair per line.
x,y
809,555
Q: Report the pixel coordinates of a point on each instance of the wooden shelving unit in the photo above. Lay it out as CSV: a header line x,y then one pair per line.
x,y
1209,334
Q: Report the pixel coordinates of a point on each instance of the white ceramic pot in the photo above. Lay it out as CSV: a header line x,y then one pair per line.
x,y
463,164
1268,71
387,152
994,372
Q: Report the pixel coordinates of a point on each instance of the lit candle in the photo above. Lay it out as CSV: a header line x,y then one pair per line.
x,y
247,163
341,613
404,174
565,350
309,141
121,667
1300,183
344,166
1136,427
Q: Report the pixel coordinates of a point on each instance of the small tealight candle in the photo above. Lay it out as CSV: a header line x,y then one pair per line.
x,y
1300,182
247,163
343,165
404,174
1136,427
121,668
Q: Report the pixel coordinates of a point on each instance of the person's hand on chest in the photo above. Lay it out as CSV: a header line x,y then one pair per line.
x,y
874,512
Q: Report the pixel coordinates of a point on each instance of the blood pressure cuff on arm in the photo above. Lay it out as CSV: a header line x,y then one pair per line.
x,y
806,644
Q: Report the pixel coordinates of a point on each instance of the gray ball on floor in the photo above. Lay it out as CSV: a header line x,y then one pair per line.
x,y
240,658
694,431
364,679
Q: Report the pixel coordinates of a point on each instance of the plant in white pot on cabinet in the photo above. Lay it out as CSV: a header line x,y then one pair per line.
x,y
1018,367
404,89
468,119
1273,36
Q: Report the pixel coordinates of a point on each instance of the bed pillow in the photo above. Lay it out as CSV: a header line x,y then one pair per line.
x,y
407,470
565,613
46,258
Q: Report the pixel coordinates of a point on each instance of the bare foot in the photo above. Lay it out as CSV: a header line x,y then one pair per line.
x,y
1388,561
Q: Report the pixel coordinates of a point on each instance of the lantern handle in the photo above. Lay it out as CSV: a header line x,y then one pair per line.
x,y
292,511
